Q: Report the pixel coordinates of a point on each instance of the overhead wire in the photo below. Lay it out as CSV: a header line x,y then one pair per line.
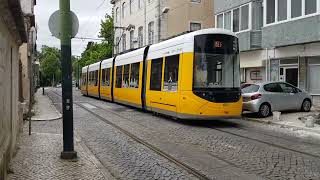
x,y
89,19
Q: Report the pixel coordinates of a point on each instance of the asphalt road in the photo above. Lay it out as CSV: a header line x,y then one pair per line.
x,y
137,145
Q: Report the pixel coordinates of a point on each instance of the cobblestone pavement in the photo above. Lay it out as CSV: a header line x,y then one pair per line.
x,y
219,149
38,158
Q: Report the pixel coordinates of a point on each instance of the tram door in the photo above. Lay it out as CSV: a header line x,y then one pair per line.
x,y
289,75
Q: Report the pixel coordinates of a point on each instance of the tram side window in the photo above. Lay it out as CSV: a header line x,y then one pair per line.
x,y
84,81
107,82
103,79
91,81
134,75
156,74
119,76
171,72
90,78
96,78
125,82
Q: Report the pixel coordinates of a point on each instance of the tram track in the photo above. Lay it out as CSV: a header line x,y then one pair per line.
x,y
235,134
238,135
158,151
230,133
184,166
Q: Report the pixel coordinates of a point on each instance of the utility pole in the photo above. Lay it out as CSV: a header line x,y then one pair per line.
x,y
67,103
79,74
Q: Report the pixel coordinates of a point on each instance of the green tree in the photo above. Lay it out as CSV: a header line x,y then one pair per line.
x,y
95,52
50,65
107,29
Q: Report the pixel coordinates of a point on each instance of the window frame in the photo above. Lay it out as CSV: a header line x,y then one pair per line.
x,y
124,75
131,34
151,88
130,6
117,77
133,73
140,36
117,14
151,30
108,77
96,78
123,14
124,42
196,1
103,75
231,10
289,18
166,64
195,22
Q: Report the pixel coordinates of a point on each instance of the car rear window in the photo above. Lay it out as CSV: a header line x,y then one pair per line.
x,y
250,89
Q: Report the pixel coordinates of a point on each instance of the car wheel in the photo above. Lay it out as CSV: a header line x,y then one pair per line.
x,y
306,105
264,110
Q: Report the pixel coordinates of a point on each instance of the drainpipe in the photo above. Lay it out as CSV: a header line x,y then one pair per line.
x,y
159,20
267,62
145,22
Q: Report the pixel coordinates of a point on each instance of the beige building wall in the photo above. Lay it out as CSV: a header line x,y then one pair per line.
x,y
166,24
10,108
25,75
181,13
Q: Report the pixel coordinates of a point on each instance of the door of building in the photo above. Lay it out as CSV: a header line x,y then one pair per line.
x,y
314,82
289,75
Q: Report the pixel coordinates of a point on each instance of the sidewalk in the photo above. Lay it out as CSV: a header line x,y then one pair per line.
x,y
292,119
44,109
38,155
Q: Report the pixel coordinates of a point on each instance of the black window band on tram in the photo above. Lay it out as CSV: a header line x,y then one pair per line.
x,y
112,78
144,78
216,68
99,77
216,44
87,80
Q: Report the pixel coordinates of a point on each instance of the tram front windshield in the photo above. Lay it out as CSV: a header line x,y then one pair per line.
x,y
216,62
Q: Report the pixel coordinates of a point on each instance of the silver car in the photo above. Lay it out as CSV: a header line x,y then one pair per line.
x,y
265,98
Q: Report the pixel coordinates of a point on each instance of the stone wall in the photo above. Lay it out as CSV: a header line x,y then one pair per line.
x,y
10,108
25,75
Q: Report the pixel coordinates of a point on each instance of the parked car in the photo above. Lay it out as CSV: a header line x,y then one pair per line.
x,y
244,85
264,98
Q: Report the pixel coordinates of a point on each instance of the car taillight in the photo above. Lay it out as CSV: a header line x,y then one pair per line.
x,y
256,96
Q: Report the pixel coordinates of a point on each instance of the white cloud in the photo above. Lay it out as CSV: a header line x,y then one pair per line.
x,y
90,13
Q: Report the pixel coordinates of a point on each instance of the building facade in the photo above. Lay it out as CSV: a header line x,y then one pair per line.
x,y
142,22
12,36
27,56
279,39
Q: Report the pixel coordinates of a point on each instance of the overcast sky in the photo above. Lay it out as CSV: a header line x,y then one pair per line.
x,y
89,12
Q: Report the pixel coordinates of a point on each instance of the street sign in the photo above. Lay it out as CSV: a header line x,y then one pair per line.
x,y
54,24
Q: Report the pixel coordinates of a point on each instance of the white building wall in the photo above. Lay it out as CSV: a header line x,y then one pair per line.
x,y
27,6
138,17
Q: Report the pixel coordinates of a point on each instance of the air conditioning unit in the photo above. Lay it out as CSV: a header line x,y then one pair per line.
x,y
135,40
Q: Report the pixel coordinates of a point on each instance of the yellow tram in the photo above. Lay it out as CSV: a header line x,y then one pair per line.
x,y
192,76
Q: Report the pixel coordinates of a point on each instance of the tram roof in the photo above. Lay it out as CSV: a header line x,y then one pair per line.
x,y
132,57
84,69
182,43
94,67
107,63
173,46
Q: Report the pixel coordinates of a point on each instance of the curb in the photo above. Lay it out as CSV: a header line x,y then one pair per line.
x,y
282,125
105,172
52,119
